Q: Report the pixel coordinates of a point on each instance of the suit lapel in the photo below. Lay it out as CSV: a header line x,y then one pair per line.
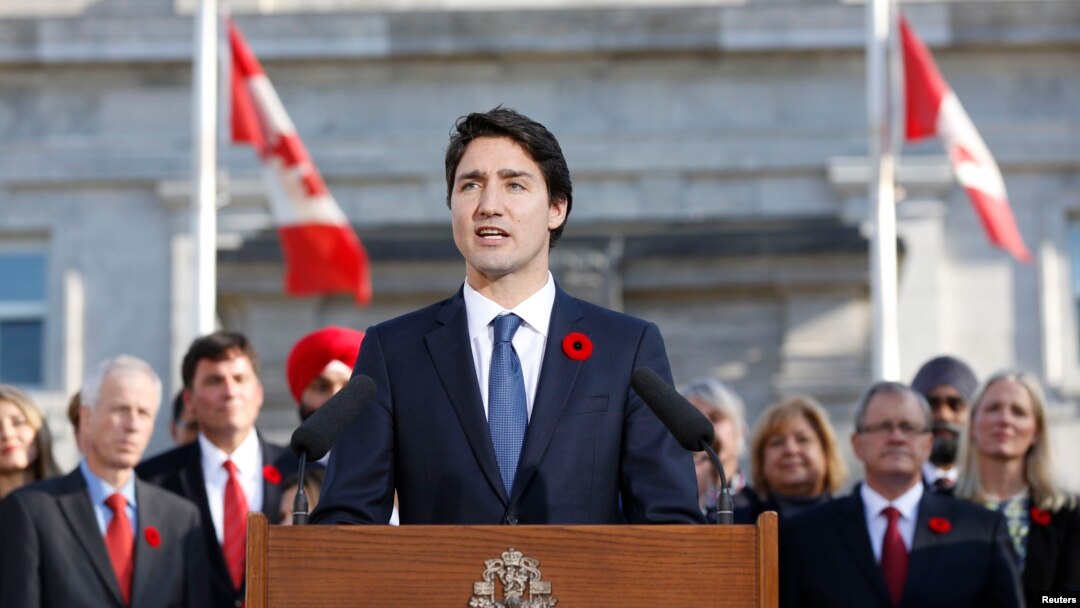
x,y
452,356
1043,544
923,560
194,486
852,523
74,503
147,558
271,491
558,373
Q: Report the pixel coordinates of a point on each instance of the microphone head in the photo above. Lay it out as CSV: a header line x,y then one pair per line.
x,y
690,427
319,432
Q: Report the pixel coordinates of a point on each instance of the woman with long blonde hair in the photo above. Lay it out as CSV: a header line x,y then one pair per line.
x,y
1007,466
25,443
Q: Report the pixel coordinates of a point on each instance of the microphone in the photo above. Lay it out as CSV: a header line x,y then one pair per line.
x,y
314,438
690,427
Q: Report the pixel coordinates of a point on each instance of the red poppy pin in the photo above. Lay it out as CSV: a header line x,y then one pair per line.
x,y
272,474
153,537
1040,516
939,525
577,346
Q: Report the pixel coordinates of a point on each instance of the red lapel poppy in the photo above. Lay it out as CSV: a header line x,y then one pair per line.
x,y
1040,516
272,474
939,525
153,537
577,346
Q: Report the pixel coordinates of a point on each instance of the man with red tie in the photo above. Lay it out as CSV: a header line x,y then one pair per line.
x,y
891,542
229,470
99,536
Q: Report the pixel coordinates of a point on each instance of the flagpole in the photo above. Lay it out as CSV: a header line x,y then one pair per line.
x,y
204,184
882,192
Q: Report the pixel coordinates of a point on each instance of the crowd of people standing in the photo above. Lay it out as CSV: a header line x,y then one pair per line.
x,y
165,531
946,457
974,459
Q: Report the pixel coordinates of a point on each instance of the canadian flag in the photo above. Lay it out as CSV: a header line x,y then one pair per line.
x,y
933,109
322,252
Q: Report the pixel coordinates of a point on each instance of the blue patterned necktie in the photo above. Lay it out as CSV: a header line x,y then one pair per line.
x,y
507,411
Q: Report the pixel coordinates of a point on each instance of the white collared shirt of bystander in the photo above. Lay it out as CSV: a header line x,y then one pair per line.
x,y
874,503
249,464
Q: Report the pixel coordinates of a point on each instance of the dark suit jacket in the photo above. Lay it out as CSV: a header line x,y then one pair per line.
x,y
1053,556
748,512
593,453
826,558
180,470
52,552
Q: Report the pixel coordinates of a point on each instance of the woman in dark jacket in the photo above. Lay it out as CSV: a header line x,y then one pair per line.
x,y
1006,466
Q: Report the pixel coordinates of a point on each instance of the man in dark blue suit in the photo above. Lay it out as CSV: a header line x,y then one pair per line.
x,y
229,469
510,402
892,542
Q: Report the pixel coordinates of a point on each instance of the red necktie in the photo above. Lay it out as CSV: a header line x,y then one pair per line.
x,y
236,512
120,543
894,556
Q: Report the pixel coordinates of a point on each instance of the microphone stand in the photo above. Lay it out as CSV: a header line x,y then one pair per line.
x,y
300,503
725,507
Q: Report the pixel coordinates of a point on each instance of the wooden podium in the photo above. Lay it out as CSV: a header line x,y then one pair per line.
x,y
449,566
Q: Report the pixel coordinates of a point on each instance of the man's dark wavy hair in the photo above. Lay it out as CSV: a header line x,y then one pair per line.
x,y
218,346
532,136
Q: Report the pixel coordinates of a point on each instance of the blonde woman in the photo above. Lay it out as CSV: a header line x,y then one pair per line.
x,y
1006,466
25,443
794,459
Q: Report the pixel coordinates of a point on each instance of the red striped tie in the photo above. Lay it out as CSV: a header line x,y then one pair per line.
x,y
120,543
236,511
894,556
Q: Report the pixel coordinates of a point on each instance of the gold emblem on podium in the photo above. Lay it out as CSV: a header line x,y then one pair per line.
x,y
521,584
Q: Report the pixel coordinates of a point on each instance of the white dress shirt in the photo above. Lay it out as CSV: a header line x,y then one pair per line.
x,y
249,463
932,473
529,341
876,523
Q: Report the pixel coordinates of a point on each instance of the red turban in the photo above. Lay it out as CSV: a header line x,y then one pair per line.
x,y
310,356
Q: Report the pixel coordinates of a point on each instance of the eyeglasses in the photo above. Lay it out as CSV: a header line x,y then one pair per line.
x,y
906,429
953,403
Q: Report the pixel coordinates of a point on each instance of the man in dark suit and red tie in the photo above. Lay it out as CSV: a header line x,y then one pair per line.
x,y
99,536
892,542
509,402
228,470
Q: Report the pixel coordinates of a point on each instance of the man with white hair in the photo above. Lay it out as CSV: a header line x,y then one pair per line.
x,y
99,536
723,407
